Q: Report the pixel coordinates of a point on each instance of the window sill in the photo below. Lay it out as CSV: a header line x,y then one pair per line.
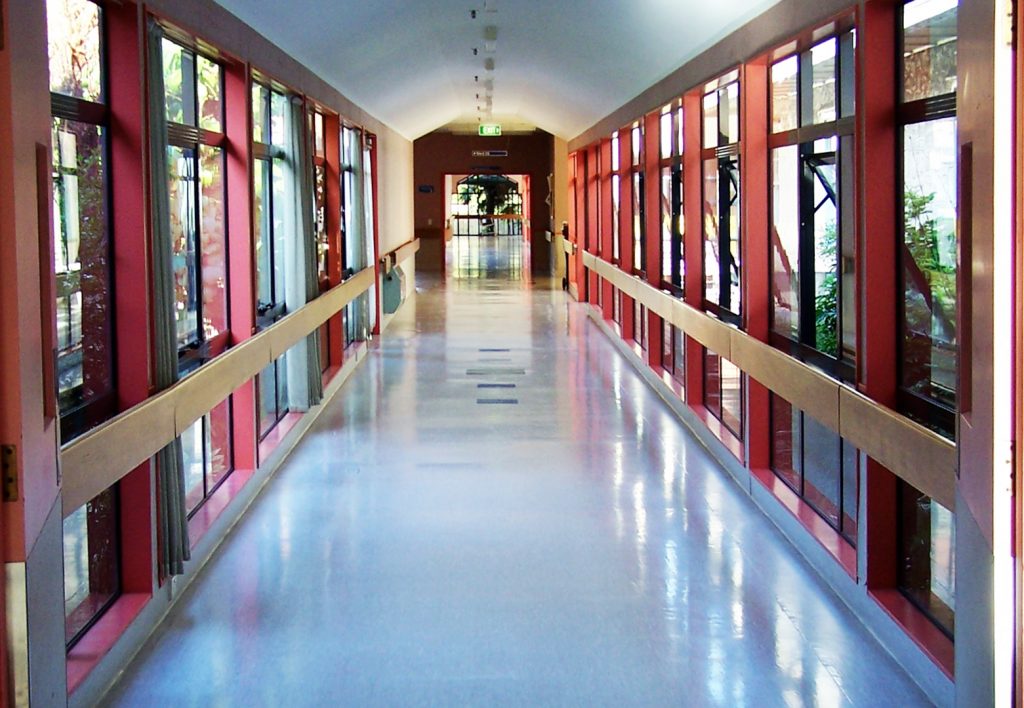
x,y
929,638
102,636
832,541
732,443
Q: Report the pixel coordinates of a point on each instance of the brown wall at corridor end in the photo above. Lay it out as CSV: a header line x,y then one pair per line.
x,y
439,153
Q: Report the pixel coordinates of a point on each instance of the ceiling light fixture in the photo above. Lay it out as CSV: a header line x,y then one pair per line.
x,y
488,64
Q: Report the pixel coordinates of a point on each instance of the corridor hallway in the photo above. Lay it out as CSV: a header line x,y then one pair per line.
x,y
496,510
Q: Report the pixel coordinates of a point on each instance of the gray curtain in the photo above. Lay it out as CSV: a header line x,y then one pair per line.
x,y
302,363
172,519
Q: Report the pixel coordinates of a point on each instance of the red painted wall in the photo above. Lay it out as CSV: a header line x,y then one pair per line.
x,y
441,153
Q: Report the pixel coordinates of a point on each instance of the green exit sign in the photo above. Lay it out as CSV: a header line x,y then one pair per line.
x,y
490,130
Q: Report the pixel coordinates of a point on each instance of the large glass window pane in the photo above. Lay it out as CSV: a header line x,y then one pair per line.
x,y
679,354
822,168
209,88
267,386
712,211
212,241
785,241
261,227
732,396
280,192
927,535
91,570
710,120
929,259
616,197
181,163
278,108
822,469
73,32
193,447
218,438
847,250
713,383
82,264
667,353
787,442
729,113
816,464
260,114
665,134
929,48
784,95
665,202
179,83
823,83
318,134
320,195
732,170
638,221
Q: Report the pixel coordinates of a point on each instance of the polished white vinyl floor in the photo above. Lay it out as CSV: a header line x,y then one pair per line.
x,y
495,510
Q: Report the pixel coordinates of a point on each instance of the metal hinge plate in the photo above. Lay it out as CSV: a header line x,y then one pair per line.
x,y
9,470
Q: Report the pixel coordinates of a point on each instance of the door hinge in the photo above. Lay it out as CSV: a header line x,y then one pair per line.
x,y
9,470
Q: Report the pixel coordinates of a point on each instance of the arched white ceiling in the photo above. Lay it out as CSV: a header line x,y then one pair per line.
x,y
560,65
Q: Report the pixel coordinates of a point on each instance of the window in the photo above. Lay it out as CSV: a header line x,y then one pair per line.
x,y
84,297
927,559
92,573
817,464
319,156
928,373
929,181
639,223
319,153
812,237
487,205
195,161
82,244
269,108
207,455
595,226
617,306
723,392
721,213
673,352
354,221
673,266
640,324
616,196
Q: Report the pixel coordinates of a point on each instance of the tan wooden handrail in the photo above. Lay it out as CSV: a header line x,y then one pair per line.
x,y
105,454
915,454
